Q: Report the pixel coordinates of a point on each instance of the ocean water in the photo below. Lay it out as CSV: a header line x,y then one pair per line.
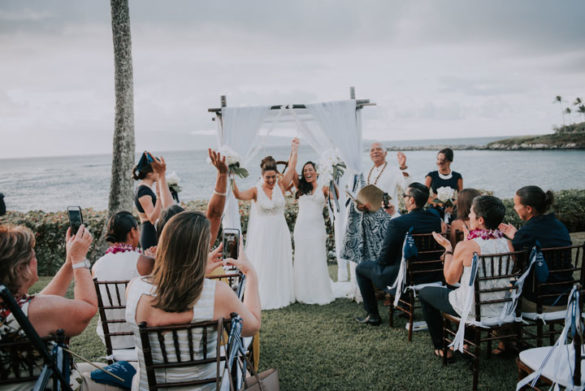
x,y
53,183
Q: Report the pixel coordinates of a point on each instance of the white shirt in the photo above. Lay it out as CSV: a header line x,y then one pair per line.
x,y
390,180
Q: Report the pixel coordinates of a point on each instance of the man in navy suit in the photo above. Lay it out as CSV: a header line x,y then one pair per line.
x,y
383,271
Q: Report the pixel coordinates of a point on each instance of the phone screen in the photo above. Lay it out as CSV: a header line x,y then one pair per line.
x,y
231,243
75,218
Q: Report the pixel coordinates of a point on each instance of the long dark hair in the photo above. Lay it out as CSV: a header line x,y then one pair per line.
x,y
304,186
463,203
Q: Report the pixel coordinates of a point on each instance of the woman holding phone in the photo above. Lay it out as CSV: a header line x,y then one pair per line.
x,y
149,205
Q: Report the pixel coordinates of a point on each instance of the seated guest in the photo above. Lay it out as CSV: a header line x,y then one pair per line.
x,y
463,207
384,270
484,238
177,291
118,264
531,204
49,310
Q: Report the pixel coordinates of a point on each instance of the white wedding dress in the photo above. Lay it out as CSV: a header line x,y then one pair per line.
x,y
269,249
312,283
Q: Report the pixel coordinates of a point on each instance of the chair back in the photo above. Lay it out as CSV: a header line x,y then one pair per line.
x,y
186,355
427,266
112,306
566,268
20,355
494,283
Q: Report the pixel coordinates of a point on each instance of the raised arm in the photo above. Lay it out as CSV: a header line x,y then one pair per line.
x,y
217,202
245,195
159,166
292,165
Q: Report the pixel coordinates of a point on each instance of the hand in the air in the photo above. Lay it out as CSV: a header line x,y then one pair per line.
x,y
218,161
401,157
77,245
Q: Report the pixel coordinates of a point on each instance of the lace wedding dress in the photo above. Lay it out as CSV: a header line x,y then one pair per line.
x,y
311,276
269,249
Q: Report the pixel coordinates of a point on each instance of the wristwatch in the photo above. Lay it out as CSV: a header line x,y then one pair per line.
x,y
83,264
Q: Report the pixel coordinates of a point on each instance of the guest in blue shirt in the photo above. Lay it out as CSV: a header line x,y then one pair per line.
x,y
531,204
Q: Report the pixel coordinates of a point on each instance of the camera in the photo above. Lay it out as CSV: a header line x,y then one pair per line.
x,y
231,243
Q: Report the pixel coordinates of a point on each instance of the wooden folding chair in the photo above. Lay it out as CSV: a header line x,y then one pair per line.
x,y
20,356
423,270
173,355
111,306
493,285
566,267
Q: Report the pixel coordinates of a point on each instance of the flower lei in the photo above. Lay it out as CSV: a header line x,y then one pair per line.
x,y
485,234
120,248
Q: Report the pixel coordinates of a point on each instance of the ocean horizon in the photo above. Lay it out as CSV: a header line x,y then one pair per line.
x,y
53,183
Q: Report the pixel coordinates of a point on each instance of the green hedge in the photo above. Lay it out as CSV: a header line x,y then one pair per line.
x,y
50,227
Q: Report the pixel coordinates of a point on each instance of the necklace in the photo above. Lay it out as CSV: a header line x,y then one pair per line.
x,y
120,248
485,234
379,175
446,176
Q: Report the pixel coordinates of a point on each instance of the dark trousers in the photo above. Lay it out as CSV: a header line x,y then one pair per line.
x,y
434,301
147,235
369,274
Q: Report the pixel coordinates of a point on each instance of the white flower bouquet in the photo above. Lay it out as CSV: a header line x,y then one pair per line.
x,y
173,182
232,159
445,196
330,166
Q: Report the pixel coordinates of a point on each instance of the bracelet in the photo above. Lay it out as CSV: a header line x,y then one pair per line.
x,y
449,252
80,265
220,194
403,168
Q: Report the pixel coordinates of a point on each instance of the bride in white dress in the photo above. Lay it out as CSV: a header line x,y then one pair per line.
x,y
311,276
268,244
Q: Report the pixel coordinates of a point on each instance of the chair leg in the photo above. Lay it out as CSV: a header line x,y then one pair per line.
x,y
551,333
539,331
411,315
444,336
391,313
475,364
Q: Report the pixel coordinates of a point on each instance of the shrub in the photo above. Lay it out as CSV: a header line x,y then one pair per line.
x,y
50,227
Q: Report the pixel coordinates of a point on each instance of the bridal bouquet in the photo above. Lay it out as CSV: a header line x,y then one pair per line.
x,y
445,196
173,182
232,160
331,166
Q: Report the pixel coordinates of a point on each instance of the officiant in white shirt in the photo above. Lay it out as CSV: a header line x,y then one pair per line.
x,y
390,178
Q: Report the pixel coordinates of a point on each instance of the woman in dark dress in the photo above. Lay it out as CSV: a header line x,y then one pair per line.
x,y
148,171
531,204
443,177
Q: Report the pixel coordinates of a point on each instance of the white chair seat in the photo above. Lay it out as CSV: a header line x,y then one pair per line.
x,y
125,355
546,316
418,287
558,368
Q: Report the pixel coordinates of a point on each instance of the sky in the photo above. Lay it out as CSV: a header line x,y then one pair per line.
x,y
435,69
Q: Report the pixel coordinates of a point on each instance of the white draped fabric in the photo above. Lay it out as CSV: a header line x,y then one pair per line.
x,y
335,126
240,133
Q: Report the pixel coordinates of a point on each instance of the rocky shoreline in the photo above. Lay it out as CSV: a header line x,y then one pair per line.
x,y
497,146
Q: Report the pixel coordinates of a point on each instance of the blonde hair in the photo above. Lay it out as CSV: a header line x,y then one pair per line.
x,y
181,258
16,252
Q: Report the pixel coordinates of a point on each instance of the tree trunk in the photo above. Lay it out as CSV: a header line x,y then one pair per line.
x,y
121,185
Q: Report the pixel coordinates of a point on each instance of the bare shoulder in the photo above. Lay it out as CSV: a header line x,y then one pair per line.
x,y
465,249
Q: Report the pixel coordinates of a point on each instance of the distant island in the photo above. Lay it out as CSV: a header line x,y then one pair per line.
x,y
567,137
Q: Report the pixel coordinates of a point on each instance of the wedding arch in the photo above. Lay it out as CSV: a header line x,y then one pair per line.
x,y
329,128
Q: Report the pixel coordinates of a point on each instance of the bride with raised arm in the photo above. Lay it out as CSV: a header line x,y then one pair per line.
x,y
268,244
311,276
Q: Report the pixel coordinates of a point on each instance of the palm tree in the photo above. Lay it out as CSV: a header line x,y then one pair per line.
x,y
581,110
568,111
559,100
577,101
121,185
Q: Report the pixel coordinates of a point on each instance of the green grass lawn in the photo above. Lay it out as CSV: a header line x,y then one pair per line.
x,y
323,348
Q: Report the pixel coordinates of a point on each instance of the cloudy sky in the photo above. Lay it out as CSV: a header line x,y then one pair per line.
x,y
436,69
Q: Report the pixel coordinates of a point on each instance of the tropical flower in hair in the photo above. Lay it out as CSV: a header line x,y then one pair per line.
x,y
446,196
173,182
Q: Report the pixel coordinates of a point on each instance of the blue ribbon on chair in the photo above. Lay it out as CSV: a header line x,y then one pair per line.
x,y
540,267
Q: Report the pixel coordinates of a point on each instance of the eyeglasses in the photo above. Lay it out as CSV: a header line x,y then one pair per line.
x,y
404,195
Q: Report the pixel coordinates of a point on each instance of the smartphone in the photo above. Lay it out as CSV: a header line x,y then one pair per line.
x,y
386,199
231,243
75,218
